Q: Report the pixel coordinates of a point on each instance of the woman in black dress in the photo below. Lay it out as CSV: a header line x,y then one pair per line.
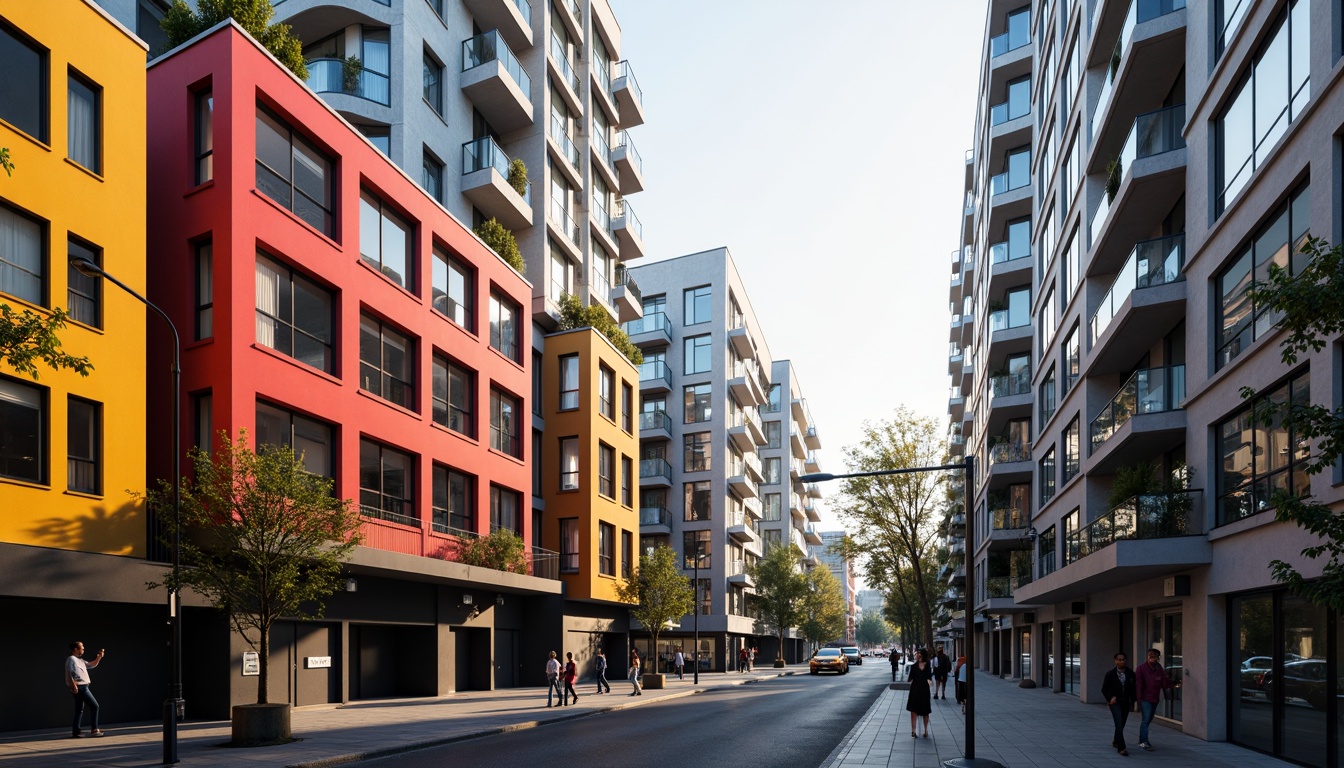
x,y
919,702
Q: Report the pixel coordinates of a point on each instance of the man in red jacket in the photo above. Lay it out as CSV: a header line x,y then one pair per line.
x,y
1151,680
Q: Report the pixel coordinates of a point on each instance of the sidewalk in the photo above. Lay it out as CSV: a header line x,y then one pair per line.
x,y
1020,728
342,734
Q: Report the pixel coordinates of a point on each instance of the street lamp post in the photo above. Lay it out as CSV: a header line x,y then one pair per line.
x,y
696,618
174,703
968,467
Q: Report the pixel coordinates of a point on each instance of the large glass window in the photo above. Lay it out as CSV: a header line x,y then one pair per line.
x,y
1072,673
773,434
386,362
504,436
23,432
83,292
385,240
1046,472
1071,357
697,500
1047,397
205,136
294,315
770,468
84,121
569,545
453,395
699,403
452,504
313,442
23,84
698,452
627,408
1260,458
697,305
606,470
84,433
606,549
453,290
772,508
606,391
627,480
386,483
22,256
504,326
205,290
293,172
569,382
697,545
504,510
696,354
431,175
433,79
1071,451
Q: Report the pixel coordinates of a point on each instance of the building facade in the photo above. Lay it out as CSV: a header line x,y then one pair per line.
x,y
843,571
1135,166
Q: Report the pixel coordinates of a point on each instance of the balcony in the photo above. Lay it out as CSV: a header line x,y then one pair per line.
x,y
1010,329
629,98
739,527
513,19
626,297
745,384
1008,266
740,481
796,508
601,151
654,377
1009,462
811,437
564,150
495,82
740,338
562,224
1142,420
655,424
629,165
601,225
745,431
1146,300
655,473
812,509
812,463
737,574
328,76
1142,52
565,76
629,230
1010,397
813,490
485,182
796,444
801,413
1008,528
812,535
651,330
653,520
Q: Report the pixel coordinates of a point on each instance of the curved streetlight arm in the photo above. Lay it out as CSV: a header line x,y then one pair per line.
x,y
87,268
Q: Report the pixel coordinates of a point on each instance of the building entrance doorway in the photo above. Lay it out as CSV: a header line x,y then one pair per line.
x,y
1164,634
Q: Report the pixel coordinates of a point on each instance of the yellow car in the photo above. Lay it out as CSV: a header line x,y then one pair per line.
x,y
829,660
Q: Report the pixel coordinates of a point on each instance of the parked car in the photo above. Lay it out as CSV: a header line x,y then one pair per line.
x,y
1304,680
829,660
852,653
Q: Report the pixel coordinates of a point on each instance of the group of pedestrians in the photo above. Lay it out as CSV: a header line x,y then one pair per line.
x,y
1122,687
560,678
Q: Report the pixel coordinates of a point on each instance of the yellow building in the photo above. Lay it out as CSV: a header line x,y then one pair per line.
x,y
72,448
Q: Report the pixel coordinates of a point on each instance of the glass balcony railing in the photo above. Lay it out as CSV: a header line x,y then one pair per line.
x,y
1005,319
1099,217
1153,133
488,47
650,420
655,515
563,221
1017,105
623,70
599,285
561,59
1009,41
525,9
622,140
655,468
1150,390
328,76
558,133
1009,452
1139,12
1008,384
655,370
625,280
483,153
600,215
632,222
998,586
1017,176
1008,519
1152,262
653,321
601,146
1148,516
1002,252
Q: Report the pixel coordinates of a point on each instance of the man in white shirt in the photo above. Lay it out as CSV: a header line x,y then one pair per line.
x,y
553,679
77,680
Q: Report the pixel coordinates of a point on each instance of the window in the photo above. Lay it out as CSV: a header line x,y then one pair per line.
x,y
772,405
606,391
1071,360
1072,540
451,507
697,354
386,484
1277,243
627,480
1261,457
569,382
773,434
386,362
84,428
560,274
433,88
503,424
379,136
1016,171
1071,451
606,470
699,404
627,555
697,545
23,432
205,136
1071,266
205,290
452,290
23,84
569,545
697,307
22,255
537,478
294,315
771,539
606,549
774,510
1046,470
295,173
313,442
454,392
770,467
698,452
1047,322
504,510
1228,18
627,408
697,501
83,293
1047,397
537,377
1273,92
202,405
504,326
1045,548
385,240
431,176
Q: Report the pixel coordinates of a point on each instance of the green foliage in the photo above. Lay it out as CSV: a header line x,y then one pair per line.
x,y
351,68
181,24
261,538
823,608
873,629
1310,307
1114,172
574,315
780,589
658,594
518,176
5,162
501,241
502,550
27,338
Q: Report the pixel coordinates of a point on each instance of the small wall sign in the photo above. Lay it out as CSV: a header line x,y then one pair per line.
x,y
319,662
251,663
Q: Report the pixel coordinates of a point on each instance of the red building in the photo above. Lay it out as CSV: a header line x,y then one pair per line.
x,y
327,302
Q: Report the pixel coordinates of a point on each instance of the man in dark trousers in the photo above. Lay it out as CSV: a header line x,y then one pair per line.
x,y
895,659
1118,689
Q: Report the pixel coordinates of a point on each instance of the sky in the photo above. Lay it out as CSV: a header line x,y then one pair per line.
x,y
824,144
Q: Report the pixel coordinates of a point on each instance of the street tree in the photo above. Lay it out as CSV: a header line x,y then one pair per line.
x,y
181,23
27,338
823,608
261,538
873,629
1309,302
780,589
659,593
894,518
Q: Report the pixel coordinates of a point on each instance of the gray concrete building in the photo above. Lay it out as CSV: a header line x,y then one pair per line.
x,y
843,570
1134,166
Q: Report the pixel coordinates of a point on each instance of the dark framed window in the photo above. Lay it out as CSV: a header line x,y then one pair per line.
x,y
538,375
505,510
454,393
504,326
23,83
149,26
433,83
771,469
627,555
772,509
606,549
294,314
1259,456
84,445
293,172
698,452
697,306
504,436
697,544
453,292
313,441
698,504
1046,471
627,480
453,503
1071,354
569,382
83,294
1071,451
772,404
205,136
698,403
84,122
696,354
606,470
431,176
606,391
1047,397
1046,548
23,431
569,545
569,463
385,239
203,404
23,249
627,408
386,362
386,483
773,434
205,290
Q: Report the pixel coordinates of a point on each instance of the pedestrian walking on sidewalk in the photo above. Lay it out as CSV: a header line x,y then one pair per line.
x,y
918,701
601,663
751,659
553,679
680,661
895,660
571,676
959,675
634,677
1118,689
742,659
80,685
1151,682
941,667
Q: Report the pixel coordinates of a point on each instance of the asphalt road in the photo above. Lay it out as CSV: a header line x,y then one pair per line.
x,y
794,721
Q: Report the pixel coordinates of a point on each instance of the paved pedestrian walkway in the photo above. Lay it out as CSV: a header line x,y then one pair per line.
x,y
1023,728
338,735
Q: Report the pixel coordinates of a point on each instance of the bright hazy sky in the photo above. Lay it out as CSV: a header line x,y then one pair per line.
x,y
824,144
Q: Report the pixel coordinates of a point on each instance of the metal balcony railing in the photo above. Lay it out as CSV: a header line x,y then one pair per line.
x,y
1147,516
1151,263
490,46
655,516
1150,390
654,420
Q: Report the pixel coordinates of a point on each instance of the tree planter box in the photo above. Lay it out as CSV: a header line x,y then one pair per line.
x,y
260,725
654,681
779,664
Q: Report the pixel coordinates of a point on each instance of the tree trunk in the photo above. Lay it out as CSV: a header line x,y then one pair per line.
x,y
263,683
